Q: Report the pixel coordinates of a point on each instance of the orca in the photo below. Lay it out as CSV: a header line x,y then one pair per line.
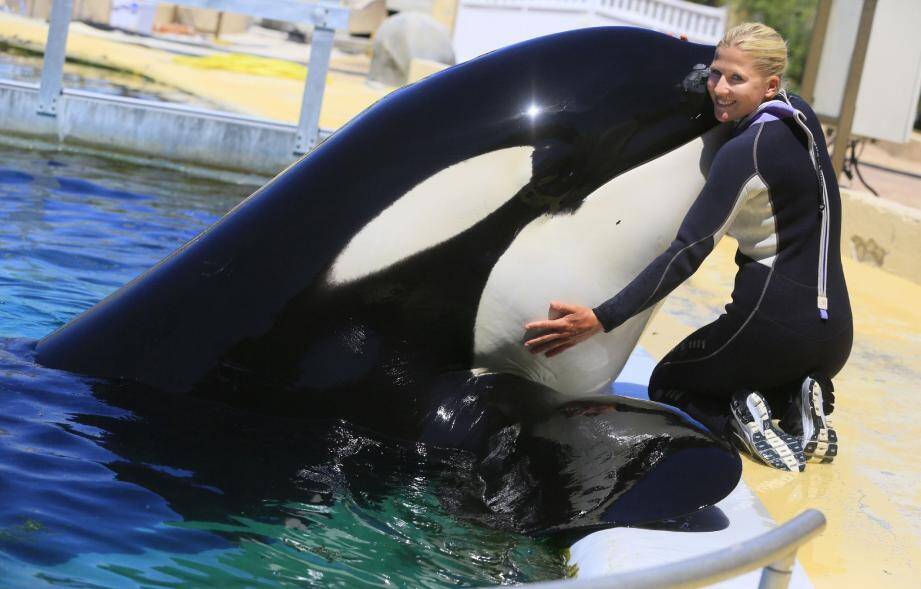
x,y
385,277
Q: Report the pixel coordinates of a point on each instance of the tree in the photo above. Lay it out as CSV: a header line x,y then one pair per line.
x,y
793,19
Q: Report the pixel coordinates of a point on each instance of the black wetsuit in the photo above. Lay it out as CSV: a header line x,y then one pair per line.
x,y
762,189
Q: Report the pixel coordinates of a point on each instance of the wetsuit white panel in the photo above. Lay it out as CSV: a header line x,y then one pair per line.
x,y
755,227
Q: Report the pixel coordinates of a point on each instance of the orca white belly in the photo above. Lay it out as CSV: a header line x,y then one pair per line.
x,y
586,258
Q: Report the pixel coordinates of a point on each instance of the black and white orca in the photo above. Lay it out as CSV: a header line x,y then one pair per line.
x,y
385,277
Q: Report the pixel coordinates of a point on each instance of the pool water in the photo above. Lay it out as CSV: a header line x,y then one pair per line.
x,y
103,485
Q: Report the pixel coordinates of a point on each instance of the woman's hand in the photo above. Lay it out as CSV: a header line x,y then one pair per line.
x,y
566,326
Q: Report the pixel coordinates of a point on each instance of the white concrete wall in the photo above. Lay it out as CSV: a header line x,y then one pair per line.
x,y
175,135
881,233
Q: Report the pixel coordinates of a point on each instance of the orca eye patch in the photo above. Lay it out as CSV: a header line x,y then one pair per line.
x,y
432,212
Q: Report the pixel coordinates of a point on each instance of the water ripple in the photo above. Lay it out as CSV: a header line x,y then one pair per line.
x,y
103,485
14,177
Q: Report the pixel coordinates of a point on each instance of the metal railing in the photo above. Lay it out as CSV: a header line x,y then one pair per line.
x,y
774,551
325,16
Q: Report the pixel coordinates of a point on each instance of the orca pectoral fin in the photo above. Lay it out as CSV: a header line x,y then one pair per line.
x,y
546,463
687,477
603,461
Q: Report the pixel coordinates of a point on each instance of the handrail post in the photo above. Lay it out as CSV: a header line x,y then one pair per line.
x,y
55,54
308,126
777,574
848,108
326,19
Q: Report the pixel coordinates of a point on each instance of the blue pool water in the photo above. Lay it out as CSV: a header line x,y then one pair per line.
x,y
102,486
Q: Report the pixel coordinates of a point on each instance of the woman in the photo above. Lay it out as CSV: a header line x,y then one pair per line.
x,y
788,329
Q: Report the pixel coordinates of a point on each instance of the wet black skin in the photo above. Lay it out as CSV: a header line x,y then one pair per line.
x,y
244,314
548,463
177,457
530,460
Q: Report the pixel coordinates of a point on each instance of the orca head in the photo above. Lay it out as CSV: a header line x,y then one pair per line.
x,y
627,96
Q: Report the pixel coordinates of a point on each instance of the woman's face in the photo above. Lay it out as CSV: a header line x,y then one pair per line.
x,y
735,86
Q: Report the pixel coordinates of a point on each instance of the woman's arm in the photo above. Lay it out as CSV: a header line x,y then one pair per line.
x,y
732,179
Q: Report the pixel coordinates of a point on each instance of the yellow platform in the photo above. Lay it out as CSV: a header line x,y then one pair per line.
x,y
871,494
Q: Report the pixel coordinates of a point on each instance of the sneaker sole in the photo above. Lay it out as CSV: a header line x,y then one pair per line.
x,y
772,446
820,440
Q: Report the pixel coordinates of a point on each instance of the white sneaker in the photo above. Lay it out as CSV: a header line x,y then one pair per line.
x,y
754,431
818,437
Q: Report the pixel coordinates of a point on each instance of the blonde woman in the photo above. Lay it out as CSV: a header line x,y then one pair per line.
x,y
788,329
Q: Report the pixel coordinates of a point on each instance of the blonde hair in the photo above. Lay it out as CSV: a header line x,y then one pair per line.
x,y
763,44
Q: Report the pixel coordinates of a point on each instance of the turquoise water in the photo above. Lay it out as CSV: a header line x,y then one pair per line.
x,y
102,485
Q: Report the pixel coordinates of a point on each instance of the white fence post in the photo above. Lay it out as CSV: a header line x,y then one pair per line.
x,y
55,54
778,574
321,47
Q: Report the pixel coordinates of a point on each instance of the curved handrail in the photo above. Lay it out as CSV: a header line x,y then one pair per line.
x,y
777,547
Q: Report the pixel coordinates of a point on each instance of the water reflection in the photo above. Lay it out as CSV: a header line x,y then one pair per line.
x,y
105,485
109,474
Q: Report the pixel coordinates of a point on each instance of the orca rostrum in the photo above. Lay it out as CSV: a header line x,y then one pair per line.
x,y
385,277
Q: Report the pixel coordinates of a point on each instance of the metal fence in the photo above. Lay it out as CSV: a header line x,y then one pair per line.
x,y
326,17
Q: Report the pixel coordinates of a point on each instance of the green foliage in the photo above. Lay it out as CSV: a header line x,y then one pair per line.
x,y
793,19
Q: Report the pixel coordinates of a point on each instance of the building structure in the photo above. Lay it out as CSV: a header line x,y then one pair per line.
x,y
485,25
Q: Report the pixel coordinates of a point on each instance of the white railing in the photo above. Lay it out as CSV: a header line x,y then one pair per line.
x,y
774,552
694,20
484,25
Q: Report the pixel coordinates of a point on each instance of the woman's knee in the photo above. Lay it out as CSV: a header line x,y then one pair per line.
x,y
655,384
660,382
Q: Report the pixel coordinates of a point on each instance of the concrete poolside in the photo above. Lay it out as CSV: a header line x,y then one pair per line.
x,y
871,495
274,93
